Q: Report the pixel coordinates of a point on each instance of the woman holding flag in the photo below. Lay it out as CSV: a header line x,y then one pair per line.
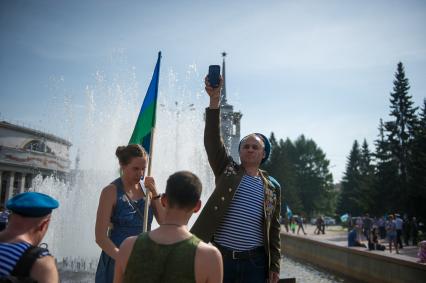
x,y
122,204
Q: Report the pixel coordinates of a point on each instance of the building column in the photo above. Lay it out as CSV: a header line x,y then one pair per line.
x,y
9,192
28,181
22,184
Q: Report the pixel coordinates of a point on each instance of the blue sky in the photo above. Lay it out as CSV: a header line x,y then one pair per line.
x,y
319,68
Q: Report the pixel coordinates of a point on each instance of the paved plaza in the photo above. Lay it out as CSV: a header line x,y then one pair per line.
x,y
337,235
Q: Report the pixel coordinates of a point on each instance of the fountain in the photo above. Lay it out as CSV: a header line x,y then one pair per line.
x,y
110,113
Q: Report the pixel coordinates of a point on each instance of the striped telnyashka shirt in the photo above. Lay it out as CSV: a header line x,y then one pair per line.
x,y
10,253
241,228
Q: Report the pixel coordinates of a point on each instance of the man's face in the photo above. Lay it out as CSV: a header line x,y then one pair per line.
x,y
252,151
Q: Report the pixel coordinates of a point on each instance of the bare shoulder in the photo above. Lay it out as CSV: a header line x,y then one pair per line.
x,y
109,190
44,270
208,264
108,194
126,248
128,243
208,251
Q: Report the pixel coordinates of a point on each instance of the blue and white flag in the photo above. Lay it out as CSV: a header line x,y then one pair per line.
x,y
344,217
289,213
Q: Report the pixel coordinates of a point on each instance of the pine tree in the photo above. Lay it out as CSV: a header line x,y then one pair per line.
x,y
366,179
417,169
350,196
400,132
386,179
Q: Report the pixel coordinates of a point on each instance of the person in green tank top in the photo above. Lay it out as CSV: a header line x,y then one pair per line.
x,y
171,253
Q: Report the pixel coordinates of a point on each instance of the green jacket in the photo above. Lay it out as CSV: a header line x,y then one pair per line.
x,y
228,175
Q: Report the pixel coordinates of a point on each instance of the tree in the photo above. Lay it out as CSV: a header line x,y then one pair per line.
x,y
280,166
400,132
350,196
366,179
386,179
302,170
313,177
417,169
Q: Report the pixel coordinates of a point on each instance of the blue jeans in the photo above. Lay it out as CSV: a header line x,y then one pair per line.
x,y
252,270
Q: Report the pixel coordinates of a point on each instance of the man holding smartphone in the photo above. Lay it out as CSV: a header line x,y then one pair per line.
x,y
241,217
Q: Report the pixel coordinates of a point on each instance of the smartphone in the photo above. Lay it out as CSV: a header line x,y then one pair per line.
x,y
214,75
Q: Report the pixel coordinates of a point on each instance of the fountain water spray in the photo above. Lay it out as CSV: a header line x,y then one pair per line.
x,y
109,116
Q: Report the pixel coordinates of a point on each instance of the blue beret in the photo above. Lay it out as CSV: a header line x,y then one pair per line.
x,y
265,141
32,204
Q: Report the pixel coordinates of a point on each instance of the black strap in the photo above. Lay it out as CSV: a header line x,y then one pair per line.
x,y
25,263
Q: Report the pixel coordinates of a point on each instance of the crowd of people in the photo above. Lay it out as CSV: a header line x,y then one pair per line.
x,y
297,222
369,232
236,237
396,230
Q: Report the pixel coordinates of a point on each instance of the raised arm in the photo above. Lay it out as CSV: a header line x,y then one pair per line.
x,y
213,143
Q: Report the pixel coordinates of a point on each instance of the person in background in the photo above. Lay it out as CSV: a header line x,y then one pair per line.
x,y
359,223
350,223
171,253
382,227
353,241
373,241
422,252
299,221
414,230
406,229
367,223
322,227
121,208
293,225
318,224
391,233
399,223
284,221
4,217
20,256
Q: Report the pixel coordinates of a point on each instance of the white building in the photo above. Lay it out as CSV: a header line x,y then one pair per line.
x,y
25,153
229,120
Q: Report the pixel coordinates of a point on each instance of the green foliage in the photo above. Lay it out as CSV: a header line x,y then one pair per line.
x,y
303,170
417,168
393,178
400,134
350,200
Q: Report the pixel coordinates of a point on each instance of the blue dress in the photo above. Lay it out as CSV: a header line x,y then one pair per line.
x,y
126,222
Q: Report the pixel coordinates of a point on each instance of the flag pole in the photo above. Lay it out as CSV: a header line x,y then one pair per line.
x,y
147,197
151,154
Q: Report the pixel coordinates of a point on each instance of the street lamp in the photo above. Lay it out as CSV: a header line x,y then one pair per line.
x,y
178,108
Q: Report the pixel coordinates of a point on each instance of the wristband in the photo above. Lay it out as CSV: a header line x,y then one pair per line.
x,y
157,197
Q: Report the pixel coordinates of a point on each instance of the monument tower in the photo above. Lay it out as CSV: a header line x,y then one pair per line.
x,y
230,120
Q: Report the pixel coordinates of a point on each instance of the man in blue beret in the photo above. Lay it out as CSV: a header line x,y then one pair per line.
x,y
20,255
242,216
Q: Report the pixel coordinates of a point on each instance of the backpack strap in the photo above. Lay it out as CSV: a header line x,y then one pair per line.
x,y
25,263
